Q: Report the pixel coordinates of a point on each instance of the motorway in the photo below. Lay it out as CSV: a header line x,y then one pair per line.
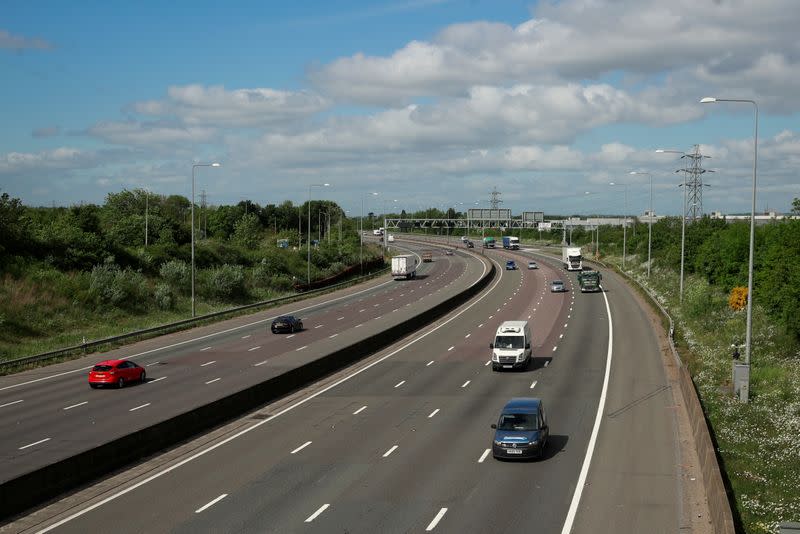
x,y
401,442
51,413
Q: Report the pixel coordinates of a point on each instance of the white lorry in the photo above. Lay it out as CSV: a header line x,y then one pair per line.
x,y
571,258
512,346
404,267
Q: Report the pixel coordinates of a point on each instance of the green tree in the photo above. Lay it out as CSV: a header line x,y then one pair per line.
x,y
796,206
14,226
247,231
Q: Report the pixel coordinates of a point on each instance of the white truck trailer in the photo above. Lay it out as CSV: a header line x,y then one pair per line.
x,y
404,267
571,258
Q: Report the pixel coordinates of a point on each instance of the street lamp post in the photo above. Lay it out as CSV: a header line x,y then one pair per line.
x,y
649,222
308,241
215,164
743,394
683,219
624,225
361,232
146,214
385,229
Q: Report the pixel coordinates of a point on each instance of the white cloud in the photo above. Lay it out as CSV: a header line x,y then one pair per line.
x,y
150,133
19,43
217,106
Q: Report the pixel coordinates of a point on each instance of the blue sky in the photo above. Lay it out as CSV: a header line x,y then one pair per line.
x,y
432,103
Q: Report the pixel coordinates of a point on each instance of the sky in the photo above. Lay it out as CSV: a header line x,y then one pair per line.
x,y
429,103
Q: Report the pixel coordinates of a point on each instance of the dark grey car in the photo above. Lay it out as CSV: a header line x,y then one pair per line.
x,y
522,430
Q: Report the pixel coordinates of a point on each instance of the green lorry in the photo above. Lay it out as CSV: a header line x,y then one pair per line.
x,y
589,281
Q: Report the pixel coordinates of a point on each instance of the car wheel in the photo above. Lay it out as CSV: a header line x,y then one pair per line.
x,y
121,383
93,386
142,377
495,368
291,329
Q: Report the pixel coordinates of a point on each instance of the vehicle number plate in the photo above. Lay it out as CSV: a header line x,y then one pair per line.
x,y
507,366
514,451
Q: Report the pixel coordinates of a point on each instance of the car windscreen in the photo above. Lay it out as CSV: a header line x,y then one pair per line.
x,y
518,421
509,342
102,368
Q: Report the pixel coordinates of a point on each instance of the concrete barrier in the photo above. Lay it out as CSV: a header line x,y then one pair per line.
x,y
31,489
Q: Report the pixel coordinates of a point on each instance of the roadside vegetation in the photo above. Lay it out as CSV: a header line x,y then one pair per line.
x,y
84,272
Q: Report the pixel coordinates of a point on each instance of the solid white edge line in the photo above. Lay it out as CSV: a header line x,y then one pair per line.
x,y
75,405
192,340
439,516
360,410
576,497
315,514
258,424
34,443
484,455
212,503
390,451
301,447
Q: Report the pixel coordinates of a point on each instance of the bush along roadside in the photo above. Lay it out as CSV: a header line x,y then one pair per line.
x,y
757,442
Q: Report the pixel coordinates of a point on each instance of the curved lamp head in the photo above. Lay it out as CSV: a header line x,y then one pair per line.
x,y
215,164
707,100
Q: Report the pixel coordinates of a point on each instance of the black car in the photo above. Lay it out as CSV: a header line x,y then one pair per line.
x,y
286,323
521,431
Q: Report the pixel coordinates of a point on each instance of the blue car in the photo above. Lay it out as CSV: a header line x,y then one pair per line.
x,y
521,431
511,265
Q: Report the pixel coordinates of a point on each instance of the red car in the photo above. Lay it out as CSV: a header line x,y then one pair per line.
x,y
115,373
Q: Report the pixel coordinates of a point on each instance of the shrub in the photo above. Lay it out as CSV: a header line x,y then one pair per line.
x,y
225,282
177,274
165,298
111,286
738,298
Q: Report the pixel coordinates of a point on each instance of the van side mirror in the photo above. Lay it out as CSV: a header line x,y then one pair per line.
x,y
494,426
527,345
491,345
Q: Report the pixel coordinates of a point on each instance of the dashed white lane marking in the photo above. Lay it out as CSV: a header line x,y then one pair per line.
x,y
359,325
259,363
301,348
491,316
251,349
429,363
554,348
212,503
400,383
465,337
340,318
206,348
484,455
375,305
208,363
212,381
434,412
439,516
487,363
301,447
480,325
533,385
569,316
360,410
290,336
75,405
10,403
245,337
315,514
565,325
156,380
333,336
465,384
561,336
451,348
498,309
148,365
34,443
139,407
319,326
390,451
394,310
359,311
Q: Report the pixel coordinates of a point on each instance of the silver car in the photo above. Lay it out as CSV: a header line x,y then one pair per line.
x,y
558,286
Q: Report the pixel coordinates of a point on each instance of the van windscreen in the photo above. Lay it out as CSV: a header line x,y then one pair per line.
x,y
518,421
509,342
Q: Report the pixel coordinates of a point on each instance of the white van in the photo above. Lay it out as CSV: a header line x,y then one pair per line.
x,y
512,346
